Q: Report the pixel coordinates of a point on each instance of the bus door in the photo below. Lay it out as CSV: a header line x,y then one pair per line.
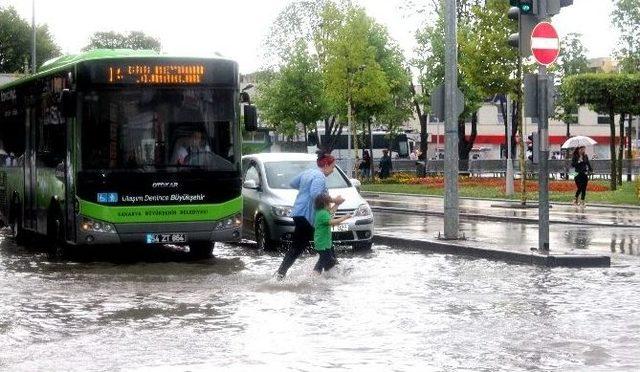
x,y
30,185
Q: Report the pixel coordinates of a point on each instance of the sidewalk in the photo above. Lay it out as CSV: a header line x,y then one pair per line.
x,y
560,213
571,246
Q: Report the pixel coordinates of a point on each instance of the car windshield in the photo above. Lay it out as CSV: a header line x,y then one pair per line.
x,y
154,128
279,174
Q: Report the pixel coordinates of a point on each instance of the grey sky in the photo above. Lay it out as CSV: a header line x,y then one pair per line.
x,y
237,28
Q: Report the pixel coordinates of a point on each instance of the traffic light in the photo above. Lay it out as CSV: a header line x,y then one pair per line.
x,y
525,6
533,147
524,14
529,13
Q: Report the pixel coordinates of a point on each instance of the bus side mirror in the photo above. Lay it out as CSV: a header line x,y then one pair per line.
x,y
250,118
68,103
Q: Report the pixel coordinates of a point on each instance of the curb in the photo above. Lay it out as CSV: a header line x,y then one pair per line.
x,y
535,259
610,206
481,217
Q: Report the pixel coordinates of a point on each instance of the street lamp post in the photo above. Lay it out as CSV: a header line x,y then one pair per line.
x,y
33,37
352,132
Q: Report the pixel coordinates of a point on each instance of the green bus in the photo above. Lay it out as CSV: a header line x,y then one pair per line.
x,y
113,147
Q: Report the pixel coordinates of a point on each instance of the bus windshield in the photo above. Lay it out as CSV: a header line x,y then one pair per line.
x,y
158,128
281,173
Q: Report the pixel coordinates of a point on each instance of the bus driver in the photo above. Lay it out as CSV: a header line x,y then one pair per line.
x,y
189,146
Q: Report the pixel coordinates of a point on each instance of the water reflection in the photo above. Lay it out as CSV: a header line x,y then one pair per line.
x,y
389,307
625,244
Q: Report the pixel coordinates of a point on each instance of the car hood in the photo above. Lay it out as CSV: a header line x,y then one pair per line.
x,y
351,196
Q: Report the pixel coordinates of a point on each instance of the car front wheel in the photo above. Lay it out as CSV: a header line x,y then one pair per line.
x,y
263,239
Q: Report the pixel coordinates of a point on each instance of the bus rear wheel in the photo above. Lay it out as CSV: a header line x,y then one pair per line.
x,y
56,245
16,228
201,250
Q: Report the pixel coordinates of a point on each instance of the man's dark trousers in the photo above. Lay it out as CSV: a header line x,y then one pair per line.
x,y
302,235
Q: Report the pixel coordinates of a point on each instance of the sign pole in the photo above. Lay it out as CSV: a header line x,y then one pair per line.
x,y
451,163
509,180
543,191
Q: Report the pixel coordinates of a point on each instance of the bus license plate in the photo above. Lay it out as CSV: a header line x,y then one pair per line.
x,y
339,228
166,238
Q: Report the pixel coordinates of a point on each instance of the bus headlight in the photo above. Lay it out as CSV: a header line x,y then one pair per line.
x,y
281,211
363,211
229,222
91,225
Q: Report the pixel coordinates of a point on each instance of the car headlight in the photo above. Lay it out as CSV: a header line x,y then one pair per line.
x,y
281,211
91,225
229,222
363,211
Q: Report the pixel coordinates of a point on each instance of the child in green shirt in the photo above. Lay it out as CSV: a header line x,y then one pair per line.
x,y
322,235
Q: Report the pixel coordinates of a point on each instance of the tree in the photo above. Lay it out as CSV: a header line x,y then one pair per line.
x,y
486,64
294,95
115,40
355,81
15,42
626,18
606,93
489,63
572,61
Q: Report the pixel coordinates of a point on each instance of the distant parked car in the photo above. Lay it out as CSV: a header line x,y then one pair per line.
x,y
268,200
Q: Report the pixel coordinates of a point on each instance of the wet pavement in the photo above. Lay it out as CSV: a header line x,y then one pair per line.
x,y
391,309
515,236
559,213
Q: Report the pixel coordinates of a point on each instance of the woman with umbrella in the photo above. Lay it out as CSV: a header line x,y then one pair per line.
x,y
580,162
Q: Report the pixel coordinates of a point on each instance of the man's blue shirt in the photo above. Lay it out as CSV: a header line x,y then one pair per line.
x,y
309,184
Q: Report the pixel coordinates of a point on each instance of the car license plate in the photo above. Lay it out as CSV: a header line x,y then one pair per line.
x,y
166,238
338,228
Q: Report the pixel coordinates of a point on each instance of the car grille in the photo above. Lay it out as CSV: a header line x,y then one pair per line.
x,y
344,212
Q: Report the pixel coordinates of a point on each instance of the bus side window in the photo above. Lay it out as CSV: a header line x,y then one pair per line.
x,y
50,133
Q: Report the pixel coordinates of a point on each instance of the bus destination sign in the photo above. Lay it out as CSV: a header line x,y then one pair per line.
x,y
150,74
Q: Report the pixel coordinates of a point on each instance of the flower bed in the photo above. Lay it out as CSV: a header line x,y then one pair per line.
x,y
531,186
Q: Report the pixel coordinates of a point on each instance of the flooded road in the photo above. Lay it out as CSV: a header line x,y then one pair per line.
x,y
391,309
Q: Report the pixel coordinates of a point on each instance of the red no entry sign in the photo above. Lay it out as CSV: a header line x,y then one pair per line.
x,y
545,44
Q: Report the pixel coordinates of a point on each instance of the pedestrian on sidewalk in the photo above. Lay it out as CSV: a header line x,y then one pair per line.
x,y
385,165
580,162
365,165
310,184
322,238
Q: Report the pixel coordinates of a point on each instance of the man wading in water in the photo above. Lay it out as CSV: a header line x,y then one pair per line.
x,y
310,184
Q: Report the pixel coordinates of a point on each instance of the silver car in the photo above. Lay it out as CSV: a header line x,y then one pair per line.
x,y
268,200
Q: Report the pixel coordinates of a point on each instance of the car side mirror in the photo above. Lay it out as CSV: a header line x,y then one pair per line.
x,y
68,103
356,183
250,118
250,184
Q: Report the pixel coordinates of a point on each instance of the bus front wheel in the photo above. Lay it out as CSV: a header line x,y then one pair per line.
x,y
201,250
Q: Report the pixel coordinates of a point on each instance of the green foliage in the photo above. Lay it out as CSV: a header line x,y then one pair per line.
x,y
348,58
114,40
15,42
618,93
352,71
487,64
572,61
606,93
626,18
294,94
